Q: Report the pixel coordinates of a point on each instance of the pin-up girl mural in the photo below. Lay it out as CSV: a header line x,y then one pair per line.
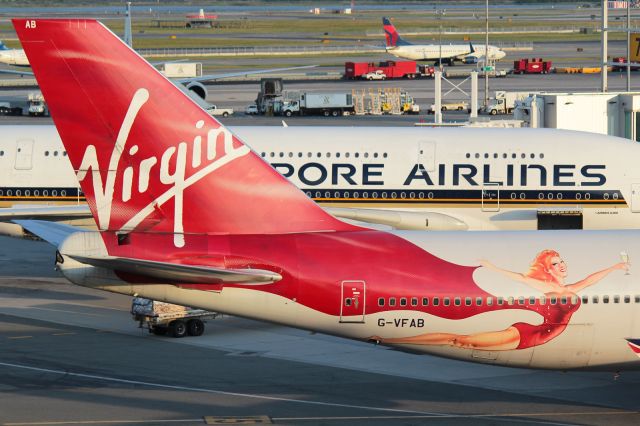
x,y
547,274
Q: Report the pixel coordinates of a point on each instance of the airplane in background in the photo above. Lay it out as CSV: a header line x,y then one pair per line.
x,y
426,179
15,57
447,53
188,214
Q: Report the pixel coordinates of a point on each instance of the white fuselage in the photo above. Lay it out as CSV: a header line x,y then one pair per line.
x,y
488,179
15,57
433,52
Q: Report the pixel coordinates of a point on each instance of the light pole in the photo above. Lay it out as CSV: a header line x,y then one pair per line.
x,y
486,54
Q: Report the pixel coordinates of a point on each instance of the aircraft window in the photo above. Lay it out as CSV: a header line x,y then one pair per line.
x,y
299,155
328,155
636,299
318,194
375,195
27,192
403,301
457,301
543,300
541,155
290,154
513,155
523,155
18,192
392,301
1,153
46,153
357,154
327,194
627,299
500,300
479,301
563,300
365,195
55,153
510,300
380,301
54,193
308,193
272,154
532,155
346,154
337,155
385,155
495,155
1,192
45,193
309,154
425,301
504,155
553,300
595,299
36,192
384,195
63,193
477,155
467,301
468,155
336,194
585,299
319,155
605,299
366,155
262,154
446,301
521,300
436,301
486,155
616,299
393,195
64,153
347,301
489,301
532,300
375,155
414,301
578,196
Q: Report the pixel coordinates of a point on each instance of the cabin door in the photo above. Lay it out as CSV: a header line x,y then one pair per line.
x,y
490,197
352,306
24,154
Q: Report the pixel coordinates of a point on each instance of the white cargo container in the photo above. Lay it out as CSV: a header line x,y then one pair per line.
x,y
181,69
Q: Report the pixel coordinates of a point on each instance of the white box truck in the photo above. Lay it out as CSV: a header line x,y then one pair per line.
x,y
326,104
181,69
504,102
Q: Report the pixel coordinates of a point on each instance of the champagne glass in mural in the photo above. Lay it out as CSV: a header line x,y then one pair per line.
x,y
625,258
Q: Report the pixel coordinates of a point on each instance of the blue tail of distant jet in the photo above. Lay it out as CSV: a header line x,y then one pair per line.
x,y
391,34
2,46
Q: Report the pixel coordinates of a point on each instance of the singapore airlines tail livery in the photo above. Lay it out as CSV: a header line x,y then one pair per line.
x,y
188,214
434,52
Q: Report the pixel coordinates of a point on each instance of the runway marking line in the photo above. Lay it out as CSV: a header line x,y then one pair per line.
x,y
65,311
19,337
213,391
97,422
69,333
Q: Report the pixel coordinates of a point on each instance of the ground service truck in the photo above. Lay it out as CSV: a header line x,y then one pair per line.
x,y
390,69
503,102
307,103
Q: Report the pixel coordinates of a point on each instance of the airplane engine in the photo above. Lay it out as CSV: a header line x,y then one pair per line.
x,y
401,220
197,88
471,60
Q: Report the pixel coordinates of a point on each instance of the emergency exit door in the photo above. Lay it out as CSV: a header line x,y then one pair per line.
x,y
352,306
24,154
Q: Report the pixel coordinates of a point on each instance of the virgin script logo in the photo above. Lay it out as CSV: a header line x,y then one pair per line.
x,y
173,158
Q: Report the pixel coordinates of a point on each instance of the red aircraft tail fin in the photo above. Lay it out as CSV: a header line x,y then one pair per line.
x,y
148,158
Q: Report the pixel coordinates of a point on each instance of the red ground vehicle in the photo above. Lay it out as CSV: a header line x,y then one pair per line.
x,y
391,69
531,66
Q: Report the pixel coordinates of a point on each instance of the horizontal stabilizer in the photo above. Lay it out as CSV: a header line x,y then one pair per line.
x,y
52,232
402,220
49,212
181,273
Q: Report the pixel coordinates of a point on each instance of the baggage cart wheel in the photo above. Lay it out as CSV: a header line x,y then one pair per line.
x,y
195,327
177,328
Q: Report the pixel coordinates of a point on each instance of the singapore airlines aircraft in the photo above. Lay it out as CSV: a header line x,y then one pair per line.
x,y
187,213
449,53
404,178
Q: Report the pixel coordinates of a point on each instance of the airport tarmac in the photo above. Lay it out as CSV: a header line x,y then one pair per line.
x,y
70,355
